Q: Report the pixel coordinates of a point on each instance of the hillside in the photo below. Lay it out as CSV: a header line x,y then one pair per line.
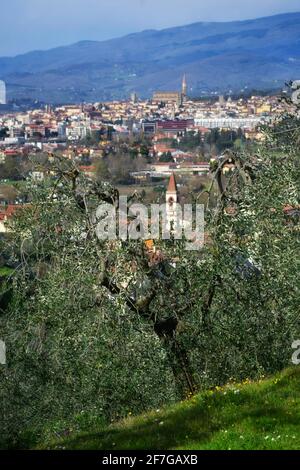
x,y
262,415
261,53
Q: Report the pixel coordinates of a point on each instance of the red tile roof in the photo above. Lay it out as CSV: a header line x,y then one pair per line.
x,y
8,211
88,169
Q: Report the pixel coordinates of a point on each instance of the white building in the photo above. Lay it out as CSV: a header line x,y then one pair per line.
x,y
228,123
77,131
2,92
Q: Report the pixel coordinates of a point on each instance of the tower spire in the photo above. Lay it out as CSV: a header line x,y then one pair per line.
x,y
172,199
172,187
184,86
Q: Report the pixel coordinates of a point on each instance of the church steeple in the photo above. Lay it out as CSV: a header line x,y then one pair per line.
x,y
172,188
184,86
172,200
172,192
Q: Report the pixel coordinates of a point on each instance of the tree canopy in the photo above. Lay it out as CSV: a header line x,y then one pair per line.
x,y
100,329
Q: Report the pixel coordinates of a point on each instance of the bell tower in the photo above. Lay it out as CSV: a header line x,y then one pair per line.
x,y
172,199
184,87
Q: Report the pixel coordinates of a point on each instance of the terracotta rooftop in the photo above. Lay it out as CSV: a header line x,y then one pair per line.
x,y
8,211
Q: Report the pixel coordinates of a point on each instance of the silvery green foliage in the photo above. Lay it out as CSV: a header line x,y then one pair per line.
x,y
94,330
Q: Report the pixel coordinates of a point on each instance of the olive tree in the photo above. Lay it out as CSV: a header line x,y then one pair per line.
x,y
98,327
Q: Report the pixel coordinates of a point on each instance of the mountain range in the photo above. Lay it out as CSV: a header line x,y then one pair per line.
x,y
261,53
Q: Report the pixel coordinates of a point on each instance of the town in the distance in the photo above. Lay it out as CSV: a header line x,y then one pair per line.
x,y
132,143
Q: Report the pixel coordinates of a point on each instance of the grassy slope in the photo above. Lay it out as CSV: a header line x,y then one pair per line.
x,y
263,415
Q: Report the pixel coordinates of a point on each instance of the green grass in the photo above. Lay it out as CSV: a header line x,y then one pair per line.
x,y
260,415
5,271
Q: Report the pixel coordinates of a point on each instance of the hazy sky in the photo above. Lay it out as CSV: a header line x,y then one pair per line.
x,y
41,24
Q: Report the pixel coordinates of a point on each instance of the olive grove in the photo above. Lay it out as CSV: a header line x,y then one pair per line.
x,y
94,330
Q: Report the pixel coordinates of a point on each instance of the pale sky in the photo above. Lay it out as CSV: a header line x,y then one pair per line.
x,y
27,25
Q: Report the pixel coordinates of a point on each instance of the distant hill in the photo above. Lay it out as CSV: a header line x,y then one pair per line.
x,y
261,53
